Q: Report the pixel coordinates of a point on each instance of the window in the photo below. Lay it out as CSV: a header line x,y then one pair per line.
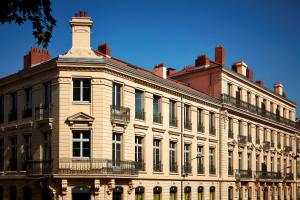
x,y
157,193
27,112
249,132
27,192
14,107
187,117
249,163
257,162
272,164
229,89
278,141
81,144
230,193
200,193
116,96
187,158
173,193
27,149
1,109
139,152
258,194
230,163
212,129
156,109
279,193
230,128
172,113
14,154
200,159
271,107
81,90
240,128
187,193
241,193
1,155
47,147
116,149
172,154
139,105
257,135
139,193
200,127
265,135
47,93
238,95
12,193
248,97
156,156
272,139
212,193
212,168
249,193
240,160
278,165
256,101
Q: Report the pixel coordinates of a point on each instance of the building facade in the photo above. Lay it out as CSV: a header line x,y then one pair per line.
x,y
86,125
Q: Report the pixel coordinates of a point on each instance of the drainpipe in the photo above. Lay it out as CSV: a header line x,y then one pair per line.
x,y
181,146
220,155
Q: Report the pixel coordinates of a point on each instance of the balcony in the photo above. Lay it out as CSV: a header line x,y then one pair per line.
x,y
212,170
173,122
288,176
287,149
249,138
212,130
256,110
27,112
266,146
187,168
157,167
230,134
268,175
119,114
200,169
187,125
243,174
157,118
242,139
272,144
173,168
140,115
13,115
43,111
38,167
140,166
200,128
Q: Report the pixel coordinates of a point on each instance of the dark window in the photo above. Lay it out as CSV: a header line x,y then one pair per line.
x,y
1,193
230,163
116,149
230,193
47,147
139,151
14,107
156,155
1,109
139,107
212,129
14,154
81,144
187,117
212,168
172,113
26,193
116,95
48,93
172,155
157,109
200,159
230,128
1,154
81,90
12,193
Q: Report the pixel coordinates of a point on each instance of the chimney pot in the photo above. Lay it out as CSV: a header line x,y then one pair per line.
x,y
240,67
103,48
35,56
220,56
202,61
278,88
249,74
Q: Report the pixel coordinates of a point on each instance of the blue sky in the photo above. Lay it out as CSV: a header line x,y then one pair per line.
x,y
265,34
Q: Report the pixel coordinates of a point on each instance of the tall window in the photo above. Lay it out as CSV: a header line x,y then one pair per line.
x,y
249,161
200,159
82,90
27,112
156,155
240,160
172,113
212,129
229,89
116,96
1,109
258,194
230,128
116,149
157,193
248,97
139,152
272,139
240,128
241,194
200,126
47,93
173,193
27,148
172,154
200,193
230,163
12,193
230,193
271,107
278,141
265,135
249,132
249,193
47,147
257,135
14,107
139,193
212,193
187,117
1,155
272,164
139,105
157,109
81,144
212,168
256,101
14,154
187,193
257,162
187,158
278,165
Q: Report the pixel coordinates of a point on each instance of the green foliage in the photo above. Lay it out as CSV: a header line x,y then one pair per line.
x,y
36,11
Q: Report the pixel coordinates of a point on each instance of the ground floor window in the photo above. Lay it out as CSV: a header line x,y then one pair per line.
x,y
212,190
139,193
26,193
12,193
157,192
1,193
241,194
81,193
117,193
230,193
200,193
187,193
173,192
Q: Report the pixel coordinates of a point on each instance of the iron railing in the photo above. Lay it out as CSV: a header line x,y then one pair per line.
x,y
43,111
266,146
187,168
157,167
38,167
27,111
140,115
230,133
173,167
157,118
256,110
173,122
288,149
188,125
119,113
241,174
200,169
200,128
288,176
212,170
140,165
268,175
242,139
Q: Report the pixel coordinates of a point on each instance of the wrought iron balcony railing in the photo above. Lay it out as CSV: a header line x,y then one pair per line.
x,y
27,111
241,174
200,169
140,165
230,133
230,170
173,167
266,146
140,115
157,118
119,113
256,110
200,128
157,167
43,111
288,176
173,122
39,167
188,125
212,170
187,168
288,148
212,130
242,139
268,175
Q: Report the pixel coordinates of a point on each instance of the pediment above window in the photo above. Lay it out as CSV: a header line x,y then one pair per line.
x,y
80,119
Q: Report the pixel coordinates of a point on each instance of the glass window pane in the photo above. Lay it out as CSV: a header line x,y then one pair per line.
x,y
76,94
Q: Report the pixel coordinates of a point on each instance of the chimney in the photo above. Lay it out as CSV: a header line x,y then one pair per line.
x,y
36,56
81,25
240,67
278,88
160,70
249,74
202,61
260,83
220,56
103,48
170,71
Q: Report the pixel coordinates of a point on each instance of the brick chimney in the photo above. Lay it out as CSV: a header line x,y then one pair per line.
x,y
160,70
249,74
81,25
103,48
240,67
202,61
220,56
170,71
260,83
36,56
278,88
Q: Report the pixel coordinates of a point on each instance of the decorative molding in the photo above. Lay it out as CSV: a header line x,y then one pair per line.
x,y
174,133
139,126
159,130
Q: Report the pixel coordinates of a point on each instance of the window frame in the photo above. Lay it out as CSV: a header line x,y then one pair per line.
x,y
81,140
81,90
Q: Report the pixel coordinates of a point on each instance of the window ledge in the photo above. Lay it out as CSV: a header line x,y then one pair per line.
x,y
81,103
158,173
140,120
200,174
174,173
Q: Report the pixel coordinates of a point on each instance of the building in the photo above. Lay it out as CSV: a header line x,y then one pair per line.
x,y
86,125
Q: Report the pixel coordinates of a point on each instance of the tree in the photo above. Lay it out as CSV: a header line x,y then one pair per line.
x,y
36,11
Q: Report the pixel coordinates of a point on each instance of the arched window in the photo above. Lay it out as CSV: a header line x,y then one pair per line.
x,y
117,193
12,193
139,193
230,193
241,193
1,193
173,192
200,193
187,193
212,190
157,192
26,193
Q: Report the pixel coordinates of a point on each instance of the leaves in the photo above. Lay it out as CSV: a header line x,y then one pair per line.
x,y
36,11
